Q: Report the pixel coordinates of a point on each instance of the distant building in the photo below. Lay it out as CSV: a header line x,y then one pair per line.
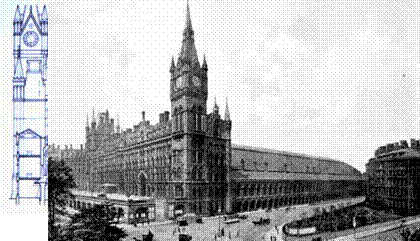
x,y
393,178
187,163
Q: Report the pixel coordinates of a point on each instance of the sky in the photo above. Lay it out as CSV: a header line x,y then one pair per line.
x,y
328,78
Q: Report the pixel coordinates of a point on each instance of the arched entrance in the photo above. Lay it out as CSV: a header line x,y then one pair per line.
x,y
252,205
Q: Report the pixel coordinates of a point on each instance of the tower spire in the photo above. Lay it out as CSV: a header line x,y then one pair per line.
x,y
44,13
17,14
215,107
93,115
204,66
227,113
172,69
118,127
87,120
188,52
188,25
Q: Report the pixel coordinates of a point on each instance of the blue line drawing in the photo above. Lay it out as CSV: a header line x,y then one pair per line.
x,y
30,112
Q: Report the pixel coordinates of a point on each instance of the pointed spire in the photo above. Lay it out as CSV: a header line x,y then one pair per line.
x,y
188,52
87,120
172,69
30,9
44,13
227,113
188,25
17,15
215,107
204,66
93,115
118,128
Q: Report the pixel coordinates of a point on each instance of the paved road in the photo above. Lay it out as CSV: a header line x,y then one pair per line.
x,y
210,227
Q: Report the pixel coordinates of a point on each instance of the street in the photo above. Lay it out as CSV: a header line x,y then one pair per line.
x,y
245,228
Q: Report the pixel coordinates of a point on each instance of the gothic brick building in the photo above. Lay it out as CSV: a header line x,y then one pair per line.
x,y
393,178
187,163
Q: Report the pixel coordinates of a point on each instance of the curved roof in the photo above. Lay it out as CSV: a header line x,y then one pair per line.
x,y
250,158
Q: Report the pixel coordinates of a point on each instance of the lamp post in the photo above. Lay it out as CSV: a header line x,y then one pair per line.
x,y
219,211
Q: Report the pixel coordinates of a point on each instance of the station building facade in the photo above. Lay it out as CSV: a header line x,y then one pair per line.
x,y
187,162
393,176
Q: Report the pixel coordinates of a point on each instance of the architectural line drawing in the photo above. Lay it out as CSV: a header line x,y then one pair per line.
x,y
30,113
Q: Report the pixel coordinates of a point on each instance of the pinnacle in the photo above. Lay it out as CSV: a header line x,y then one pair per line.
x,y
204,66
172,65
17,14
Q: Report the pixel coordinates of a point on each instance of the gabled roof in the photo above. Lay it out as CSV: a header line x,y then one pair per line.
x,y
31,16
31,133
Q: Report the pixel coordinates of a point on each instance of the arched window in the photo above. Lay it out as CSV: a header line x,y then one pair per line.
x,y
194,117
175,117
181,121
199,114
200,173
194,173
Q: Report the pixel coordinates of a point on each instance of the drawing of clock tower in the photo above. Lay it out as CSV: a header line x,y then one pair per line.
x,y
30,140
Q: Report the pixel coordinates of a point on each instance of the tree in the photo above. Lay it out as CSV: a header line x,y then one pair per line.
x,y
92,224
60,181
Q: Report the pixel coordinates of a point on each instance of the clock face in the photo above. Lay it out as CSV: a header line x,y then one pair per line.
x,y
30,38
179,82
196,81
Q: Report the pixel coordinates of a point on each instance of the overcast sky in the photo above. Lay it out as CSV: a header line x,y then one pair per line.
x,y
325,78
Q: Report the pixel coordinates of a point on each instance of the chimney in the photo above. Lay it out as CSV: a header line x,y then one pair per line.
x,y
166,116
161,118
81,146
143,115
389,147
112,124
71,146
101,119
404,144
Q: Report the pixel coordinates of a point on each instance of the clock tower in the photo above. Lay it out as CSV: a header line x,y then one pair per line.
x,y
188,95
30,141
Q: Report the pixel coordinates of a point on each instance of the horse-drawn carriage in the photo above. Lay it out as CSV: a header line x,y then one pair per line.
x,y
262,221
